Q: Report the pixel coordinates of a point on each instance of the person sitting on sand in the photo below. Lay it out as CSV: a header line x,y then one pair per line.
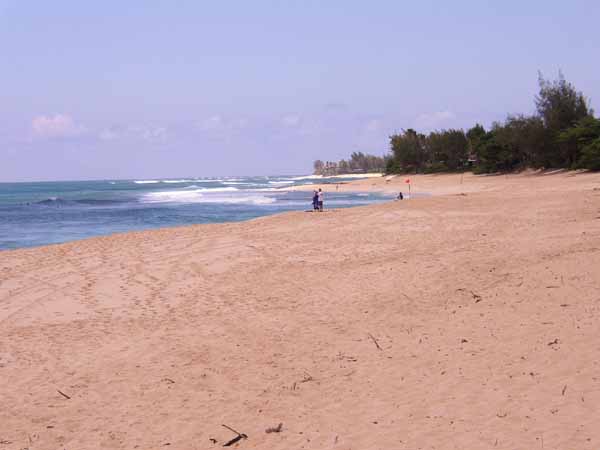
x,y
320,199
315,200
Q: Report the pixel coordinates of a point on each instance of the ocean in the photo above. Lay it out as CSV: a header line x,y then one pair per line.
x,y
33,214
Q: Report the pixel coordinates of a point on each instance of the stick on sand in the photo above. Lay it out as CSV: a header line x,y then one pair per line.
x,y
375,341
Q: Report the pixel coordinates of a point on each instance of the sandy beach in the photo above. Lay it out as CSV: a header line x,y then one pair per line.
x,y
467,319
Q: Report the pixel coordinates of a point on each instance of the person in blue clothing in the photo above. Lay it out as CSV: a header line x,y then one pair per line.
x,y
315,200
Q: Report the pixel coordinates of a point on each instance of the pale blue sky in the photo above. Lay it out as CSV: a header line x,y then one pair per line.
x,y
141,89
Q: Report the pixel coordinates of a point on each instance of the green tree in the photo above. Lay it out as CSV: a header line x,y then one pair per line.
x,y
584,137
408,149
560,106
447,150
590,156
495,154
474,136
343,166
526,138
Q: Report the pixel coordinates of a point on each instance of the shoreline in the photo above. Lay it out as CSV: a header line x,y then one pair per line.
x,y
436,184
465,319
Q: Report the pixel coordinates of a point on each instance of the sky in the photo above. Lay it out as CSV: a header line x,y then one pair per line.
x,y
138,89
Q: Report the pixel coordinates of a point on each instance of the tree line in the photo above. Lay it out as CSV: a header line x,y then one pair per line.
x,y
359,162
563,133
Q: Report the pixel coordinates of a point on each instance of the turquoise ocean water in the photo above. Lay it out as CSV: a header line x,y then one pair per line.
x,y
33,214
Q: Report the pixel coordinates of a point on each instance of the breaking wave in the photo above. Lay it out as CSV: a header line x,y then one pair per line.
x,y
216,195
61,202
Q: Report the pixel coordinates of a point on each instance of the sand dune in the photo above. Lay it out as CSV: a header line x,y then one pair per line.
x,y
464,320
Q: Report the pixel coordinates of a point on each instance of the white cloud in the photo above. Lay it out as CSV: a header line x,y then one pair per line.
x,y
57,126
221,127
154,134
215,122
290,120
434,119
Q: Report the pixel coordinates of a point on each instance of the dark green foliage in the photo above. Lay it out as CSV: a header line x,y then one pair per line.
x,y
559,105
590,156
408,150
563,133
392,166
583,141
447,149
474,136
441,151
526,139
502,149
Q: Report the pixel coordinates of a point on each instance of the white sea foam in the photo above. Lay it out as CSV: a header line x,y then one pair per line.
x,y
307,177
178,181
205,189
219,189
252,199
216,195
281,182
171,196
146,181
237,183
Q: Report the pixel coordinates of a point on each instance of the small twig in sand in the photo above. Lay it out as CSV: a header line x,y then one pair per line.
x,y
234,440
239,436
307,377
476,297
564,390
276,429
63,394
375,341
554,342
231,429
